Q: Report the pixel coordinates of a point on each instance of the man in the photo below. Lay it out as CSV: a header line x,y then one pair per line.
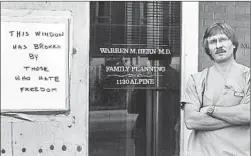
x,y
216,101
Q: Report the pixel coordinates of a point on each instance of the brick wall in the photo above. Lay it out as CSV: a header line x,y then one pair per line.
x,y
237,15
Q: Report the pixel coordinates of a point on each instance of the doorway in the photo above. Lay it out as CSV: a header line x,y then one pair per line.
x,y
134,120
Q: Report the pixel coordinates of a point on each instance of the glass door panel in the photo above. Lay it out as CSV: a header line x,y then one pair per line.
x,y
126,119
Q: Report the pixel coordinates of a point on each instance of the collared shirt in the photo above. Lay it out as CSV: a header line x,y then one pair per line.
x,y
209,87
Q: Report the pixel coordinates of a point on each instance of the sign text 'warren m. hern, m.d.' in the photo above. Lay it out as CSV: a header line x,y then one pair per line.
x,y
123,74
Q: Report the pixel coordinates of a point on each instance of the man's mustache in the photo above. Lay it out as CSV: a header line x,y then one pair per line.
x,y
218,51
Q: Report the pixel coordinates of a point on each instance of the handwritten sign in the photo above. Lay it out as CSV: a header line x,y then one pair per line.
x,y
34,65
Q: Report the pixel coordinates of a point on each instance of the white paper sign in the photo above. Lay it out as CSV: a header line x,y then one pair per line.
x,y
34,65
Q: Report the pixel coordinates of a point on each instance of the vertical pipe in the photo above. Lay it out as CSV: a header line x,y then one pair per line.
x,y
128,40
149,108
149,105
154,39
12,140
149,92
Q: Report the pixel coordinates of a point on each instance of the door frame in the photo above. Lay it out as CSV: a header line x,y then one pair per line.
x,y
189,58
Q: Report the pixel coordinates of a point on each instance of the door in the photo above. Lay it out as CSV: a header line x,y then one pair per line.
x,y
134,119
